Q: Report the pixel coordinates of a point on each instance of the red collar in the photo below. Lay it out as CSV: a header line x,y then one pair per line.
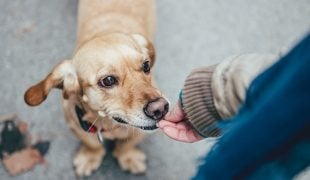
x,y
85,125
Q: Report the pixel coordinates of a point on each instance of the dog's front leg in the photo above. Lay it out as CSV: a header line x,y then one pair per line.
x,y
91,152
129,157
87,160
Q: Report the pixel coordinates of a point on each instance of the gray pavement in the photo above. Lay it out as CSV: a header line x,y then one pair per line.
x,y
36,34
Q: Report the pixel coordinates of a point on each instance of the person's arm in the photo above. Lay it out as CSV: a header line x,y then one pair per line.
x,y
215,93
211,95
274,118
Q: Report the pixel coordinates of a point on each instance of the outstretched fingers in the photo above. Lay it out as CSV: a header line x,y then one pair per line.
x,y
179,131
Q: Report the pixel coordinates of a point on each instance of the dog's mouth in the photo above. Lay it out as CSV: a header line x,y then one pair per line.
x,y
122,121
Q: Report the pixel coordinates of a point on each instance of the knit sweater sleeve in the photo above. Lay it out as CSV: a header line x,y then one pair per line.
x,y
215,93
197,101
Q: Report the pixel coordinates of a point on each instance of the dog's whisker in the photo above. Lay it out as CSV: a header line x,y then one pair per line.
x,y
127,137
92,125
102,119
133,132
129,131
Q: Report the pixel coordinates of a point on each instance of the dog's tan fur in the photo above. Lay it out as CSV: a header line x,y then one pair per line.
x,y
114,37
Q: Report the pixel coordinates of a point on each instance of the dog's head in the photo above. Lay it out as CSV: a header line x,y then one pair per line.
x,y
112,75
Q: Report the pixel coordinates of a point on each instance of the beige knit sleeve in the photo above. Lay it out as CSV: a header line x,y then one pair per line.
x,y
215,93
198,102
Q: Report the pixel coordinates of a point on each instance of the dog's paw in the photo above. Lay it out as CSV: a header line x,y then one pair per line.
x,y
132,161
87,160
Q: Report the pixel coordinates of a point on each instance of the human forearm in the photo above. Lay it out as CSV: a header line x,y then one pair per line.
x,y
215,93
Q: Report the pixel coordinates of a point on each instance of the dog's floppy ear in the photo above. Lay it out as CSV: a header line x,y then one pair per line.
x,y
63,76
146,45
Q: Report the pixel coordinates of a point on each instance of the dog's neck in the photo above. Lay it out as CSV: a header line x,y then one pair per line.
x,y
85,124
91,117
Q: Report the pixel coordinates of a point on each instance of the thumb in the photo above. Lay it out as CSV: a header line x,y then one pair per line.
x,y
176,114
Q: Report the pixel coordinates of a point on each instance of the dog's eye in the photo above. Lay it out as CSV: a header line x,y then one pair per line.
x,y
107,82
146,66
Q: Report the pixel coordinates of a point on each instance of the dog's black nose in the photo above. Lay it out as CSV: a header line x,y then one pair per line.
x,y
156,109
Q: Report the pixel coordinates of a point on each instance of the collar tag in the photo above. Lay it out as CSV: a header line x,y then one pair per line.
x,y
100,137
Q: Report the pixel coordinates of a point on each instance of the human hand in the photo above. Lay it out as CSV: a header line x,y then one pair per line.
x,y
176,126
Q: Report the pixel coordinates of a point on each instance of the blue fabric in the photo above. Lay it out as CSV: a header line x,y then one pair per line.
x,y
269,137
181,98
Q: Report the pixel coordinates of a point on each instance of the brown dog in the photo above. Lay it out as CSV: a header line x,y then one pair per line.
x,y
107,85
